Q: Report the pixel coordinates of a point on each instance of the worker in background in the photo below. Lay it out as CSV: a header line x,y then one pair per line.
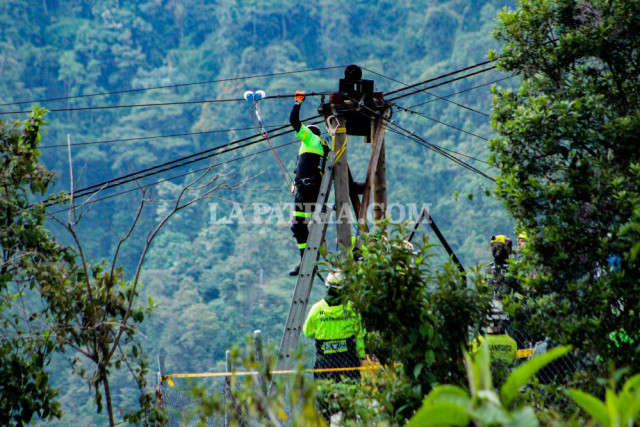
x,y
497,272
339,337
522,239
312,156
503,283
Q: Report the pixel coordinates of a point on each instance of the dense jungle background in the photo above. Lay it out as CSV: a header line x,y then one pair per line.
x,y
212,283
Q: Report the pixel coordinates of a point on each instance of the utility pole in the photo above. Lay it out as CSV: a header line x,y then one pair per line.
x,y
354,108
363,112
341,176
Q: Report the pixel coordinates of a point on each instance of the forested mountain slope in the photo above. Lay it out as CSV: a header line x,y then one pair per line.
x,y
213,283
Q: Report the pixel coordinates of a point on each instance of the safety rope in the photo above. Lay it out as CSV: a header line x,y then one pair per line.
x,y
257,122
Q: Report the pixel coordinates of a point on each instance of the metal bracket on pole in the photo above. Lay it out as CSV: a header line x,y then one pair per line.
x,y
298,308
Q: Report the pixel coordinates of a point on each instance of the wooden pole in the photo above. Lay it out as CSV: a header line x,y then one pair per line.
x,y
377,147
341,174
380,186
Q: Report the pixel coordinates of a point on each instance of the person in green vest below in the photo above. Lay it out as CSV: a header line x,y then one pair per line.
x,y
339,338
312,156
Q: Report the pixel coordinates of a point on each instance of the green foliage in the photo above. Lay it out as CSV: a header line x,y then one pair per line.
x,y
453,406
618,409
415,313
50,302
567,152
290,400
31,260
53,49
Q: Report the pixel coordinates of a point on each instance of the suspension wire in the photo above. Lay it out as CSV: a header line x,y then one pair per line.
x,y
112,107
217,165
442,76
441,98
397,132
408,110
173,164
174,86
142,138
484,70
412,135
466,90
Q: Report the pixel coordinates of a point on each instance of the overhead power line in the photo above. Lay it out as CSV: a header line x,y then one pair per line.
x,y
217,165
142,138
208,153
422,141
158,104
115,92
442,98
463,91
174,164
442,76
397,132
111,107
441,151
484,70
408,110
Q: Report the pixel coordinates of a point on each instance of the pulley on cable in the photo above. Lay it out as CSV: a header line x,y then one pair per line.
x,y
254,98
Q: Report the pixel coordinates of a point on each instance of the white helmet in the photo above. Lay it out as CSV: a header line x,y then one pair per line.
x,y
334,280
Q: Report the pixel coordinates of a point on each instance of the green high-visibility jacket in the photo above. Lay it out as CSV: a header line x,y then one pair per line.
x,y
502,347
334,328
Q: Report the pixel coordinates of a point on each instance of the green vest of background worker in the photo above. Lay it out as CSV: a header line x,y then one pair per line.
x,y
502,347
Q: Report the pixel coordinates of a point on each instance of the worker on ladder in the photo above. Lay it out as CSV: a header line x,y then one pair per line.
x,y
308,176
339,338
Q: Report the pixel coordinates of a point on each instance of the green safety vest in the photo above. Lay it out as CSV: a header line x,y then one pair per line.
x,y
311,143
502,347
334,328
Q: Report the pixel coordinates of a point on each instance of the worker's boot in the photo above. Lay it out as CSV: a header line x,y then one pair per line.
x,y
296,270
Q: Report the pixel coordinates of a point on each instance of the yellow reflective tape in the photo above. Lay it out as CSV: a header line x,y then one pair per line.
x,y
302,245
525,352
302,214
279,372
344,146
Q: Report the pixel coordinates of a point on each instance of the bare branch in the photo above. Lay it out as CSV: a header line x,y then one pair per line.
x,y
206,188
71,212
130,231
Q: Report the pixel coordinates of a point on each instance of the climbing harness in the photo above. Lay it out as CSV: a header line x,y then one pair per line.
x,y
254,98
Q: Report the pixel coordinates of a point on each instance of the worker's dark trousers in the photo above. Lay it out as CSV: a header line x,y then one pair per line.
x,y
304,200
